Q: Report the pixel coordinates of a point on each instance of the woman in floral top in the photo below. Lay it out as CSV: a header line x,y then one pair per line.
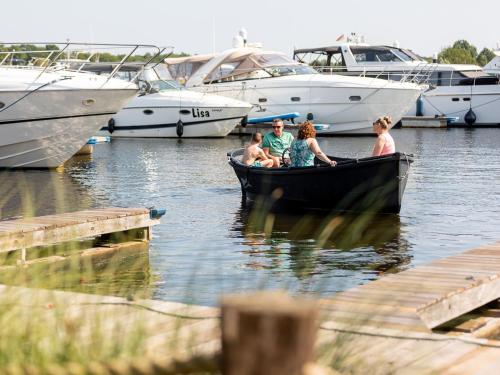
x,y
305,148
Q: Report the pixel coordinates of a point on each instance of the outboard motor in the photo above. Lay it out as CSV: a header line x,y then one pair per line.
x,y
179,128
470,117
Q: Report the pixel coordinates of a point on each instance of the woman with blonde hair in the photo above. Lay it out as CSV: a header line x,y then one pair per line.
x,y
305,148
385,143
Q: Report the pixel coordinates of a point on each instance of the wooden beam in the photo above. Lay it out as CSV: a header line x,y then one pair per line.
x,y
267,333
20,234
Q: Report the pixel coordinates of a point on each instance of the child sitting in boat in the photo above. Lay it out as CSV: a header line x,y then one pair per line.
x,y
254,155
305,148
385,143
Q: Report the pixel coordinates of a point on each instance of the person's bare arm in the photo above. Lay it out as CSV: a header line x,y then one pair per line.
x,y
320,154
266,152
263,155
379,146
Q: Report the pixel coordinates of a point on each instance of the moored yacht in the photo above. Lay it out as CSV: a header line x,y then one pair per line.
x,y
465,93
276,84
47,112
164,109
493,67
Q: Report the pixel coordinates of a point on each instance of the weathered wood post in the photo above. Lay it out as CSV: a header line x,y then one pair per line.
x,y
267,333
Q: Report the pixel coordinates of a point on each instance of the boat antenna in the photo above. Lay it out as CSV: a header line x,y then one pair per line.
x,y
244,35
213,34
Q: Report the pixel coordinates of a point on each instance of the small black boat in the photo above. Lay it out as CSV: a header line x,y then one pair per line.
x,y
373,184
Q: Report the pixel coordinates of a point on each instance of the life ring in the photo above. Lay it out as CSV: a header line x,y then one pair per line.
x,y
111,125
179,128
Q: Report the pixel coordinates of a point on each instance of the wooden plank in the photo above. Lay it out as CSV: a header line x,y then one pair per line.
x,y
441,276
438,312
394,301
375,294
71,232
71,218
397,287
479,361
359,319
462,272
457,263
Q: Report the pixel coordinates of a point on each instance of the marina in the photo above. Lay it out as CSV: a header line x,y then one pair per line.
x,y
288,200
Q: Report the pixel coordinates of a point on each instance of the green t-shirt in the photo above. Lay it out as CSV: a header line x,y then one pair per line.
x,y
276,144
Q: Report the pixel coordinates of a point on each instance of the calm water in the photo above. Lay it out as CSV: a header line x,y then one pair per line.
x,y
209,243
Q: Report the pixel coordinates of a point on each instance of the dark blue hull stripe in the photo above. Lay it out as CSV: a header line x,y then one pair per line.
x,y
172,125
55,118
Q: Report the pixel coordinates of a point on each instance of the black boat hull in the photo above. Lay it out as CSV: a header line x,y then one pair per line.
x,y
374,184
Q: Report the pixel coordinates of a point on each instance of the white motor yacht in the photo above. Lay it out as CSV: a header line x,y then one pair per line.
x,y
493,67
48,112
164,109
455,90
276,84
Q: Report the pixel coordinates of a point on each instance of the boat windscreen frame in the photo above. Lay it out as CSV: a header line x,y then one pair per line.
x,y
255,70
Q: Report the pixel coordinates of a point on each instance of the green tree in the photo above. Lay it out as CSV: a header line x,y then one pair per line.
x,y
453,55
485,56
465,45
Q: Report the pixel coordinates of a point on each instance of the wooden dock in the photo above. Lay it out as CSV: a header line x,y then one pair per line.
x,y
442,317
120,226
424,122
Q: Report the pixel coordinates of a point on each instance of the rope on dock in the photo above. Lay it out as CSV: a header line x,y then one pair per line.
x,y
136,305
416,337
143,366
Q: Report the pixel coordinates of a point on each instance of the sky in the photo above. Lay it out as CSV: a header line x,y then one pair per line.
x,y
197,26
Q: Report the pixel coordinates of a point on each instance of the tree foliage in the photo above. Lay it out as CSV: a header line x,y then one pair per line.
x,y
463,52
453,55
485,56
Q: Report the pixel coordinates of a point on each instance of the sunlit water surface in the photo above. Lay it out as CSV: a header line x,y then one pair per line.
x,y
208,243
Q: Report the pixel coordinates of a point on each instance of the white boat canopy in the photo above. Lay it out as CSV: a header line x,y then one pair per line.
x,y
238,64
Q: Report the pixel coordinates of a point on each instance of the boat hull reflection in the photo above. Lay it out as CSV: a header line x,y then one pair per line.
x,y
322,244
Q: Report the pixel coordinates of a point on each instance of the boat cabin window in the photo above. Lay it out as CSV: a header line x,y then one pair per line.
x,y
379,54
256,65
182,72
446,78
323,60
412,55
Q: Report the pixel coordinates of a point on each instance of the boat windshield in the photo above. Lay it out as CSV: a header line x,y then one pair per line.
x,y
159,78
379,54
164,85
256,65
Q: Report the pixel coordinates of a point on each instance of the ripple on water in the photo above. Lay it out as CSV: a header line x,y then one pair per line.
x,y
208,243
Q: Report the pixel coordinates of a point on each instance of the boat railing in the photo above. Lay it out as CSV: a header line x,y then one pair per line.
x,y
49,57
420,73
424,73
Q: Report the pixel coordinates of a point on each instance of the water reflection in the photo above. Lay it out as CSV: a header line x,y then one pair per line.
x,y
29,193
26,193
313,243
108,271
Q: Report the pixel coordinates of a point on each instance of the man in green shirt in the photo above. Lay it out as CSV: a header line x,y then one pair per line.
x,y
276,142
